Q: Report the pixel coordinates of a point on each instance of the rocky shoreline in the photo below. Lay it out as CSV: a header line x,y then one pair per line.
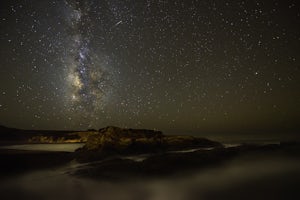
x,y
111,141
117,153
170,163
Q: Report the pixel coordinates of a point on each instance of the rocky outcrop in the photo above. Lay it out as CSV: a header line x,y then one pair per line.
x,y
184,142
170,163
113,140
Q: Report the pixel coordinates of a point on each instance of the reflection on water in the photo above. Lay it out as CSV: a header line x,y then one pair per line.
x,y
138,158
246,178
46,147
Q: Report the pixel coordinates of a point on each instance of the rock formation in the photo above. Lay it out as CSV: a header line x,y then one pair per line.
x,y
113,140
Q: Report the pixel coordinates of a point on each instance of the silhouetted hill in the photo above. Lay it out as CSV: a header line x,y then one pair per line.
x,y
4,129
13,135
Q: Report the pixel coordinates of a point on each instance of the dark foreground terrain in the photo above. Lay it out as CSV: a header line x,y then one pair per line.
x,y
120,163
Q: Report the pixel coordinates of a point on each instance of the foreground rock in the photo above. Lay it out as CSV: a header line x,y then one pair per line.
x,y
178,163
117,141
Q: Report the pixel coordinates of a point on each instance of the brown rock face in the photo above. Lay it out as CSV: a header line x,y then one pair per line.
x,y
121,139
114,140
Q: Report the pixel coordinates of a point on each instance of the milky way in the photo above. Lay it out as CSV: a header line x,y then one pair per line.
x,y
89,79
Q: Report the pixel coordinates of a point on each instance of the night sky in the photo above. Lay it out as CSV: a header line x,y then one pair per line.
x,y
177,66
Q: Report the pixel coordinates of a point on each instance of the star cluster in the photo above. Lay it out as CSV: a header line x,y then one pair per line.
x,y
186,66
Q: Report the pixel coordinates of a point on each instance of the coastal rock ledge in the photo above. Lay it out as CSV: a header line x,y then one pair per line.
x,y
119,141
